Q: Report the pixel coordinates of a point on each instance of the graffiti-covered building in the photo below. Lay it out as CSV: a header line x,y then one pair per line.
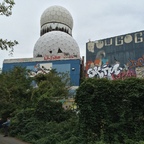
x,y
55,48
116,57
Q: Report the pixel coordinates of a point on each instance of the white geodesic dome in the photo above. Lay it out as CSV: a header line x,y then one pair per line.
x,y
56,43
57,14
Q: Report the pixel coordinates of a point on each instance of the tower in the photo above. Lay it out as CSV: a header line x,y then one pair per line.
x,y
56,39
55,48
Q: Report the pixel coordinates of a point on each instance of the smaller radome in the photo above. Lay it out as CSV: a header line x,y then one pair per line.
x,y
56,43
56,14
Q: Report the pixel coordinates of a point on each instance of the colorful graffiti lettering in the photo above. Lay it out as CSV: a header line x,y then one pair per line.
x,y
124,74
101,69
104,71
51,57
136,63
62,56
110,72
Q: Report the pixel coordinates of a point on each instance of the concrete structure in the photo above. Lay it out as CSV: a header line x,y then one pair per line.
x,y
39,65
116,57
55,49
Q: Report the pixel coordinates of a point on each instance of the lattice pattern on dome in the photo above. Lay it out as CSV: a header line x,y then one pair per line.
x,y
56,35
57,14
56,43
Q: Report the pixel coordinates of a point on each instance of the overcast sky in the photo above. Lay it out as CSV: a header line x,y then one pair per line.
x,y
93,19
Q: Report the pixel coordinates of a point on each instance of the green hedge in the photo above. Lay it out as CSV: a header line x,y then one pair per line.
x,y
112,111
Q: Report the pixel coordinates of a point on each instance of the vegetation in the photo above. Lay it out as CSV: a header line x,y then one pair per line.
x,y
112,111
6,9
109,112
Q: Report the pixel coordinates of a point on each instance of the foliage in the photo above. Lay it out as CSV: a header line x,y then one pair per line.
x,y
48,110
108,111
6,9
6,44
37,131
112,111
14,92
53,85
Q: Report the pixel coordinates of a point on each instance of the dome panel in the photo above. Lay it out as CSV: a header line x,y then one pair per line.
x,y
56,14
56,43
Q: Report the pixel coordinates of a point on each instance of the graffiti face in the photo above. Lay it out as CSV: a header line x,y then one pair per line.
x,y
91,47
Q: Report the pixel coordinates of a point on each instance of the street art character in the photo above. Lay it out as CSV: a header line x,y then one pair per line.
x,y
91,46
39,68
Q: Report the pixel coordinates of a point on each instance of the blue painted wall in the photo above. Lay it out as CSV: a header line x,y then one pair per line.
x,y
70,66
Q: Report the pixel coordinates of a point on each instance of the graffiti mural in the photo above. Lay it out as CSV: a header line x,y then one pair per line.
x,y
140,72
110,72
116,57
39,68
137,63
134,68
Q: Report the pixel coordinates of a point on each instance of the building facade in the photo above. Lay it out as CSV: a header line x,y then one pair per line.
x,y
116,57
55,48
37,65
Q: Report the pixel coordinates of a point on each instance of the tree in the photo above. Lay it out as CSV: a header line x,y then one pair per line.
x,y
15,87
53,85
6,9
111,111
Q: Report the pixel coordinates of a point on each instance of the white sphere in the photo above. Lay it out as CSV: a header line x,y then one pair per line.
x,y
56,43
57,14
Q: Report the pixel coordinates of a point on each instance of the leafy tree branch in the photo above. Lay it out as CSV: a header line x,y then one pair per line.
x,y
6,9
